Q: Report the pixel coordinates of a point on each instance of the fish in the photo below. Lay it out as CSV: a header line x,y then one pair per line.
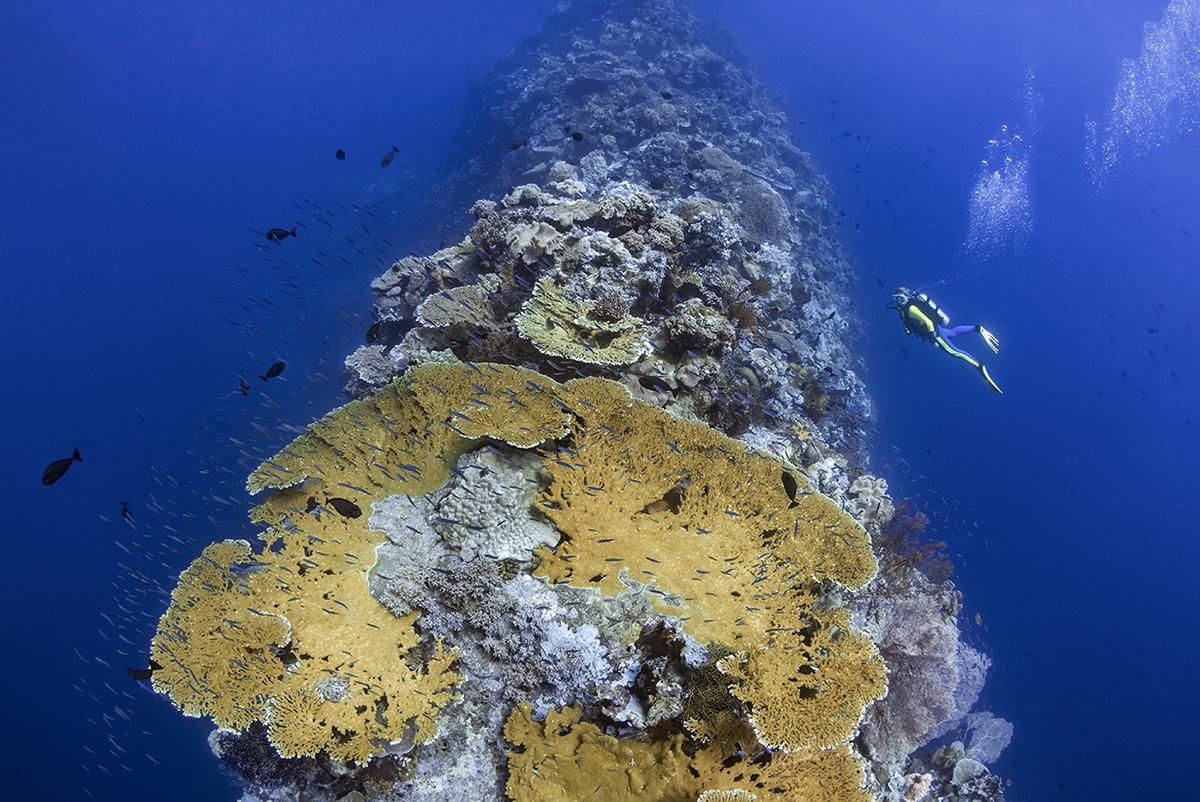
x,y
979,619
517,144
55,470
243,385
790,486
665,95
274,370
387,157
278,235
143,673
373,331
344,507
125,513
340,155
577,136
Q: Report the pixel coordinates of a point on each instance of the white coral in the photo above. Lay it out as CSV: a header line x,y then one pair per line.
x,y
869,501
486,507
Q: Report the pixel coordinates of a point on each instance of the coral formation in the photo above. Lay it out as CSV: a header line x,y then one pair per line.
x,y
598,523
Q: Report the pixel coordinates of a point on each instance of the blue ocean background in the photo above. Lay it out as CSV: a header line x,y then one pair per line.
x,y
147,146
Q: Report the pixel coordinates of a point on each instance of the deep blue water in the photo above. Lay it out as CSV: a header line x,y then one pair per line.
x,y
144,144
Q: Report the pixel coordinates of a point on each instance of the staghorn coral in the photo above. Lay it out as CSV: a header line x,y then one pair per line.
x,y
558,326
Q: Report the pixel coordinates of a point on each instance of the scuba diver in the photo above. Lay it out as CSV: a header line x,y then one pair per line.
x,y
922,317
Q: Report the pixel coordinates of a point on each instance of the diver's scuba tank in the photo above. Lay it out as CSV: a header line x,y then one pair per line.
x,y
931,310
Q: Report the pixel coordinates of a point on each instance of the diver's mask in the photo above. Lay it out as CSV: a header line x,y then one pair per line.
x,y
900,298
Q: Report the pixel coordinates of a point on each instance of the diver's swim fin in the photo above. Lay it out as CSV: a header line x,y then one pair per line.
x,y
990,339
987,378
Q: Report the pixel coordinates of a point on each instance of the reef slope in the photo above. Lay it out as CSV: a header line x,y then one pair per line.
x,y
598,523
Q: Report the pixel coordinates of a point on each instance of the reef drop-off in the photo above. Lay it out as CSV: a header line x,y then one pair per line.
x,y
597,523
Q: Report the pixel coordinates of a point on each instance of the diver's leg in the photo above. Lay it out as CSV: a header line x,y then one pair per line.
x,y
988,338
970,360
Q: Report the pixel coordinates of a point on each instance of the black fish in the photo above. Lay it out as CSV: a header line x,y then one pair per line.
x,y
55,470
340,155
278,235
790,486
311,505
654,384
345,508
517,144
666,95
576,135
373,331
125,513
243,385
143,673
387,157
273,371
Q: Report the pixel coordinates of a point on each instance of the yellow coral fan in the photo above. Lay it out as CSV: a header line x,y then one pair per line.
x,y
562,759
295,723
724,765
559,326
809,691
633,488
637,488
249,636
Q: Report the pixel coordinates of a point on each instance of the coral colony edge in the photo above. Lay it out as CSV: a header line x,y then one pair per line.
x,y
598,523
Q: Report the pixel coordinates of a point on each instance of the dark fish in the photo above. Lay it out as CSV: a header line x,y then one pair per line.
x,y
243,385
373,331
387,157
143,673
576,135
346,508
278,235
340,155
311,505
517,144
666,95
654,384
125,513
55,470
273,371
789,485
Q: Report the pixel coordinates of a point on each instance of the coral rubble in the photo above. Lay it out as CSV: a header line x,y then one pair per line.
x,y
597,523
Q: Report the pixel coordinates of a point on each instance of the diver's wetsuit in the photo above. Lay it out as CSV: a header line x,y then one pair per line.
x,y
919,313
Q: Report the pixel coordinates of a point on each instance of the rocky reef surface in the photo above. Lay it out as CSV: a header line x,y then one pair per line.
x,y
610,454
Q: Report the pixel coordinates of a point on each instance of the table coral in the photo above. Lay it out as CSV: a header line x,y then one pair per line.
x,y
559,326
